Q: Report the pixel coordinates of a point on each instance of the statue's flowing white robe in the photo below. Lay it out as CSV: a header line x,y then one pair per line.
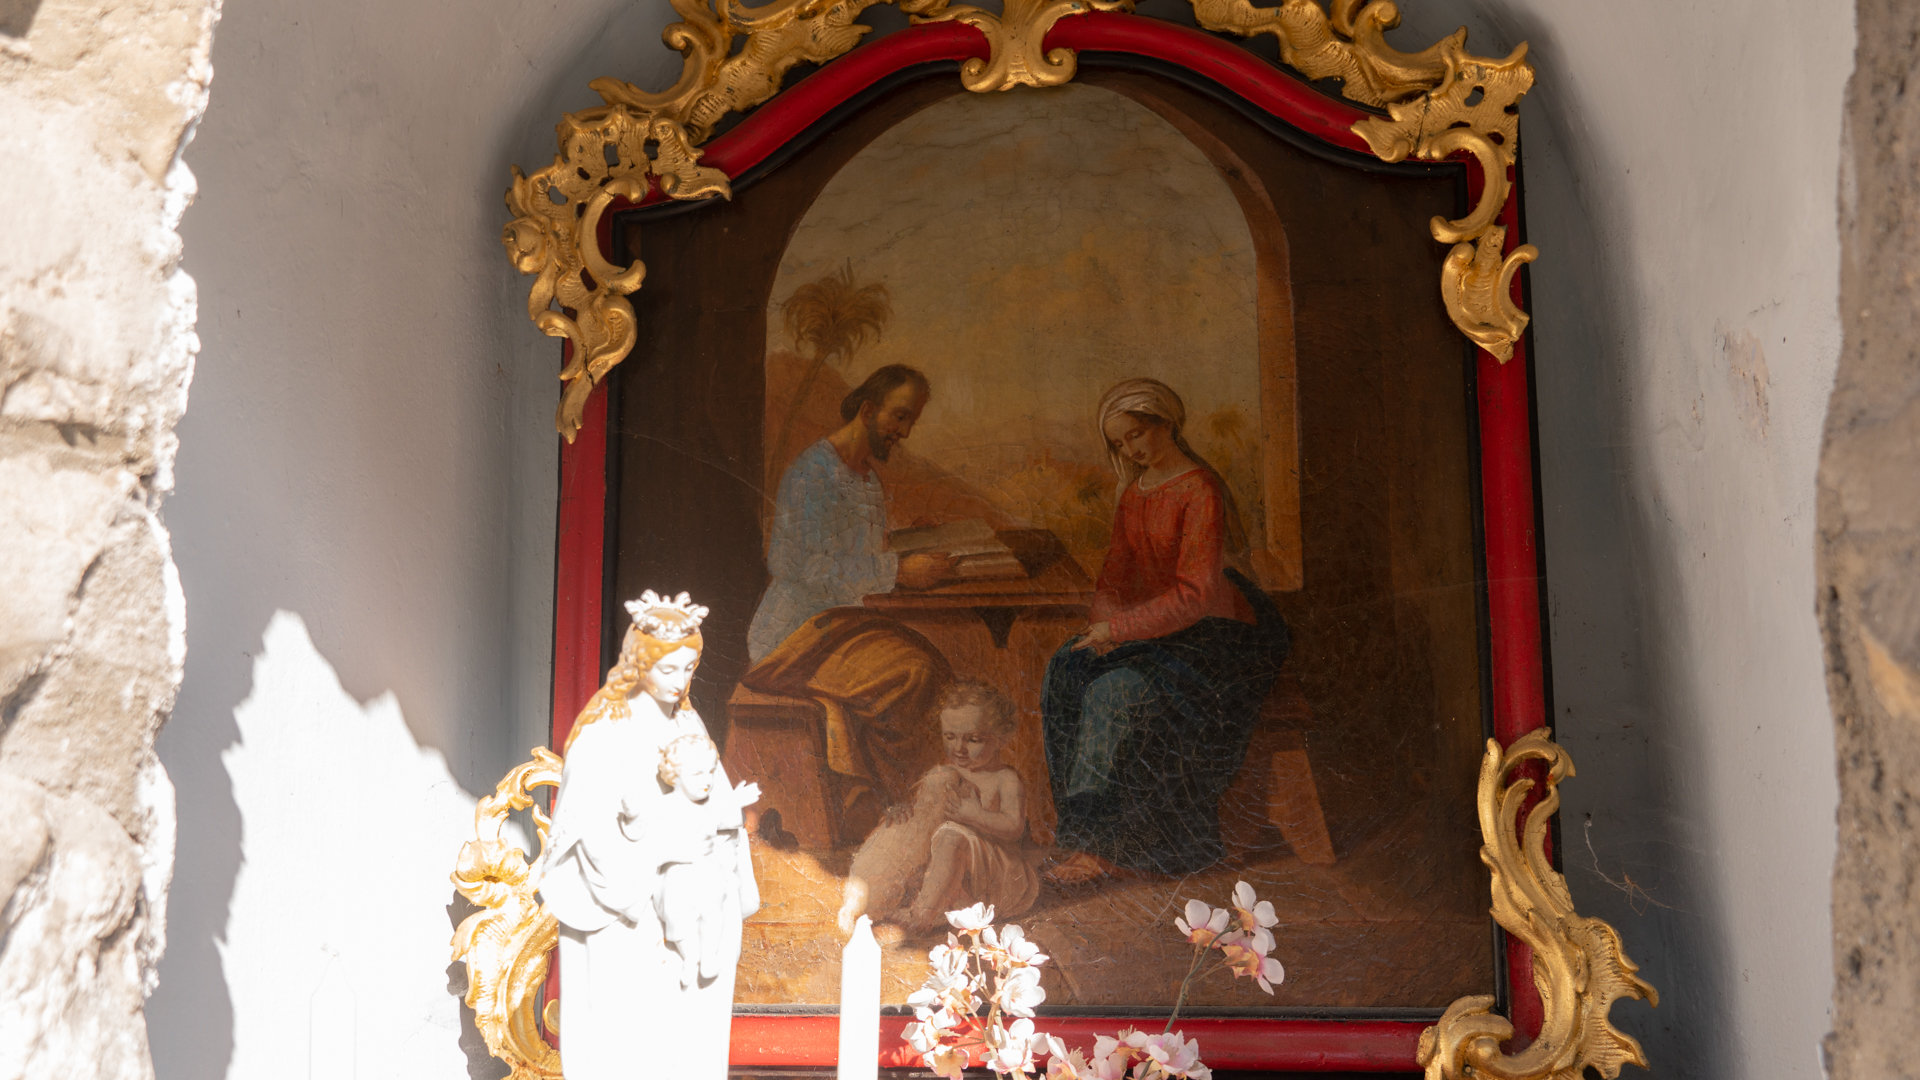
x,y
623,1013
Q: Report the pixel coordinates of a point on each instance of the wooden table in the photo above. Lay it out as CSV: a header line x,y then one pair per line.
x,y
1055,584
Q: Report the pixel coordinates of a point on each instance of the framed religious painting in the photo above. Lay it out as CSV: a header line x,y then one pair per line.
x,y
1105,456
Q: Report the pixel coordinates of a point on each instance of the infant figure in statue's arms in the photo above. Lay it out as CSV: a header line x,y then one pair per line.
x,y
693,890
963,839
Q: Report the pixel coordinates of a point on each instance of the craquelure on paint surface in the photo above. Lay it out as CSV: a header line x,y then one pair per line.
x,y
1038,249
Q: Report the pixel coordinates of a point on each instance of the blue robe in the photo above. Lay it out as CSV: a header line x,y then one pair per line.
x,y
828,548
1143,740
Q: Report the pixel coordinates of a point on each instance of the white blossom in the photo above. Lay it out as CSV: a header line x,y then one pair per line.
x,y
977,917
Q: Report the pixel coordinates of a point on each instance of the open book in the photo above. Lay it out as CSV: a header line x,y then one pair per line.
x,y
978,553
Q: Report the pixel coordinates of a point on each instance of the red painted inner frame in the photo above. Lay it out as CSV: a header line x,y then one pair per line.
x,y
1506,466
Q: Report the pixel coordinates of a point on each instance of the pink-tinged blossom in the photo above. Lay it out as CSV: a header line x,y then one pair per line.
x,y
977,917
1153,1056
1264,970
1019,992
1066,1064
1110,1067
922,1037
1203,924
1012,1049
1254,916
947,1061
1013,941
1175,1054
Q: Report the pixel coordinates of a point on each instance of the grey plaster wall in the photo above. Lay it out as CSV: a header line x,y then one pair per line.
x,y
1680,164
369,445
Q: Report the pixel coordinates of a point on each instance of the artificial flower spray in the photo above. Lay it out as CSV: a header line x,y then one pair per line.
x,y
997,970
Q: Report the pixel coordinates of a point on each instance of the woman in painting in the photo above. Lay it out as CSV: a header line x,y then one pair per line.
x,y
1148,713
621,993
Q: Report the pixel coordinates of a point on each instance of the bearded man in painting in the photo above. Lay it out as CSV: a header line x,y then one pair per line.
x,y
877,681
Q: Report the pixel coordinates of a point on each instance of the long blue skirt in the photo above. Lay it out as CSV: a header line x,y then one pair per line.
x,y
1143,741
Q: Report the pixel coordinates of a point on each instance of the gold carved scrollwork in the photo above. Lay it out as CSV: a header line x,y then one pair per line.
x,y
1440,101
1018,57
1346,42
1474,109
1476,284
1578,965
603,155
505,944
716,80
555,236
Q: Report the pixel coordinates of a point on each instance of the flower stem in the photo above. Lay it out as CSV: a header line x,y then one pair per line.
x,y
1199,951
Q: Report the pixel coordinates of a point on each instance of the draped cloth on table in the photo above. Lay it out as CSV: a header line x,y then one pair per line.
x,y
1143,740
878,683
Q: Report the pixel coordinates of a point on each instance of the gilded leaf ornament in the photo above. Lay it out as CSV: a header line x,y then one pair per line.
x,y
1346,42
1579,966
1474,110
555,236
1441,102
505,944
1016,36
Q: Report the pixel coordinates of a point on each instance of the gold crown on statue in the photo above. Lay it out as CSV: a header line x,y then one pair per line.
x,y
650,611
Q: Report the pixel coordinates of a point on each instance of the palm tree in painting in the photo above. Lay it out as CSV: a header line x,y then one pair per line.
x,y
829,321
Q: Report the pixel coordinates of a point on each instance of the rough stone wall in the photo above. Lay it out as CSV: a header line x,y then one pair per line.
x,y
1870,558
96,349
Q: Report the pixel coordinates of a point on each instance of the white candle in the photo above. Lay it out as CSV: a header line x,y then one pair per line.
x,y
860,1004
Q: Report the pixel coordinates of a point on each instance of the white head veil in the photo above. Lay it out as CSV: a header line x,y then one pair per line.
x,y
1153,398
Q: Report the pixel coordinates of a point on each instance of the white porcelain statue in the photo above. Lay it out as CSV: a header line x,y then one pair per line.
x,y
647,867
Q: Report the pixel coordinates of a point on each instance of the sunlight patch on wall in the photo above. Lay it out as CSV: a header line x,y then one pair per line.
x,y
336,948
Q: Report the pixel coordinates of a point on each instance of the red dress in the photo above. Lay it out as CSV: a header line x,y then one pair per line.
x,y
1166,568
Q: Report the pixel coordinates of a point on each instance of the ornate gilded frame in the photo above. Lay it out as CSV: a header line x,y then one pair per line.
x,y
1565,971
1440,102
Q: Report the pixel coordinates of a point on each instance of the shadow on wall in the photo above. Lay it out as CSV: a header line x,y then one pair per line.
x,y
400,497
16,17
1630,847
1605,574
334,954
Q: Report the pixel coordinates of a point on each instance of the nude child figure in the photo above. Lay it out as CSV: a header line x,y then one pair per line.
x,y
963,838
691,900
